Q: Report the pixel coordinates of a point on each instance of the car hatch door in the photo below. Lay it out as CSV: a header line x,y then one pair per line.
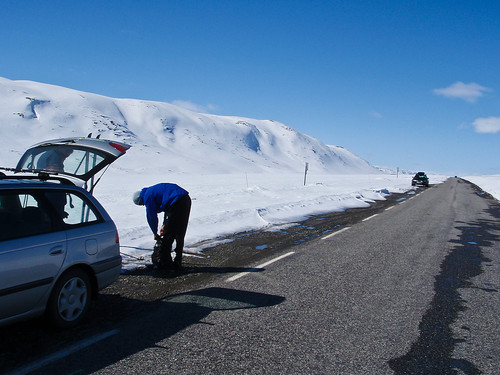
x,y
80,158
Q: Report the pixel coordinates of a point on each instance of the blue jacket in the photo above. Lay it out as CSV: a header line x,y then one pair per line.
x,y
158,198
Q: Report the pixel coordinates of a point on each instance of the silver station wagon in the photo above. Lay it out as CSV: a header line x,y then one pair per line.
x,y
58,245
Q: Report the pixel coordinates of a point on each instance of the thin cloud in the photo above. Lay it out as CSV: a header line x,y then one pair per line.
x,y
487,125
186,104
376,114
469,92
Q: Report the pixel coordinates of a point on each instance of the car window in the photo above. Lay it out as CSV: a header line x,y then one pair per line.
x,y
29,213
23,214
78,210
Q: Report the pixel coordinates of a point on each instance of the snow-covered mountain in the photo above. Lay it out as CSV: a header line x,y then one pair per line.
x,y
179,139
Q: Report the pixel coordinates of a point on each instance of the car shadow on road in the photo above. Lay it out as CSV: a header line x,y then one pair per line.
x,y
156,322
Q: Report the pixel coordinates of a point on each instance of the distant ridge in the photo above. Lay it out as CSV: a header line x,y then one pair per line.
x,y
179,139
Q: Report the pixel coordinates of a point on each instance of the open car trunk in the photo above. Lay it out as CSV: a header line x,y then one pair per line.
x,y
80,158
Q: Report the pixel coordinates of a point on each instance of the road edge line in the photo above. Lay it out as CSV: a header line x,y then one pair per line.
x,y
335,233
259,267
62,353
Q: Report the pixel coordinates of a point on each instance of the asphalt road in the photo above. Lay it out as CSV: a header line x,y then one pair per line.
x,y
410,287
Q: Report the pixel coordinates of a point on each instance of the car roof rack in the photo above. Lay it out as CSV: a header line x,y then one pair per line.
x,y
41,176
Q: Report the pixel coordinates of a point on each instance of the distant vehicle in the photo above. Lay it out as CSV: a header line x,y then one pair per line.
x,y
58,245
420,179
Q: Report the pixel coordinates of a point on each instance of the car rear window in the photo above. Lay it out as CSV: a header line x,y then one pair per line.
x,y
28,213
62,158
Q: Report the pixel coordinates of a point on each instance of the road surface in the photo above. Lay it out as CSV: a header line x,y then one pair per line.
x,y
411,288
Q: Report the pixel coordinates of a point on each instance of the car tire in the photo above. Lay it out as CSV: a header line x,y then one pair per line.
x,y
70,300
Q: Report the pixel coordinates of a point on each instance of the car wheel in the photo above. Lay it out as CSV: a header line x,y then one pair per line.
x,y
70,299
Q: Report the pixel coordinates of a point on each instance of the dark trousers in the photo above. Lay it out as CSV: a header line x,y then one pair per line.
x,y
175,226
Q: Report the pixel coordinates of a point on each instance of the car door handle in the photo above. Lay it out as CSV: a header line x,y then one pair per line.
x,y
56,250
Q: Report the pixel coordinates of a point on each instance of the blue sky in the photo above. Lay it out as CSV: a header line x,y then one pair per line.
x,y
409,84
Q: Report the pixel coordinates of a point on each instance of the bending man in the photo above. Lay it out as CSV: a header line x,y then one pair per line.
x,y
175,202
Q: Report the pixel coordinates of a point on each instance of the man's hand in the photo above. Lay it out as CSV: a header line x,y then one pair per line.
x,y
162,229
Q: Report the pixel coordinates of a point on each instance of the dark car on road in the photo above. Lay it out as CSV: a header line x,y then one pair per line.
x,y
58,245
420,179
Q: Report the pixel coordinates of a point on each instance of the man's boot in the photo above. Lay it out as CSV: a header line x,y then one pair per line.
x,y
166,262
178,261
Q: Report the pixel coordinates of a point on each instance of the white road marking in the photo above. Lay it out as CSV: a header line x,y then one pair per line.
x,y
63,353
335,233
259,267
369,217
389,208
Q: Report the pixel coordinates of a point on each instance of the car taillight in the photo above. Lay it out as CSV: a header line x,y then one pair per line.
x,y
117,238
118,146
